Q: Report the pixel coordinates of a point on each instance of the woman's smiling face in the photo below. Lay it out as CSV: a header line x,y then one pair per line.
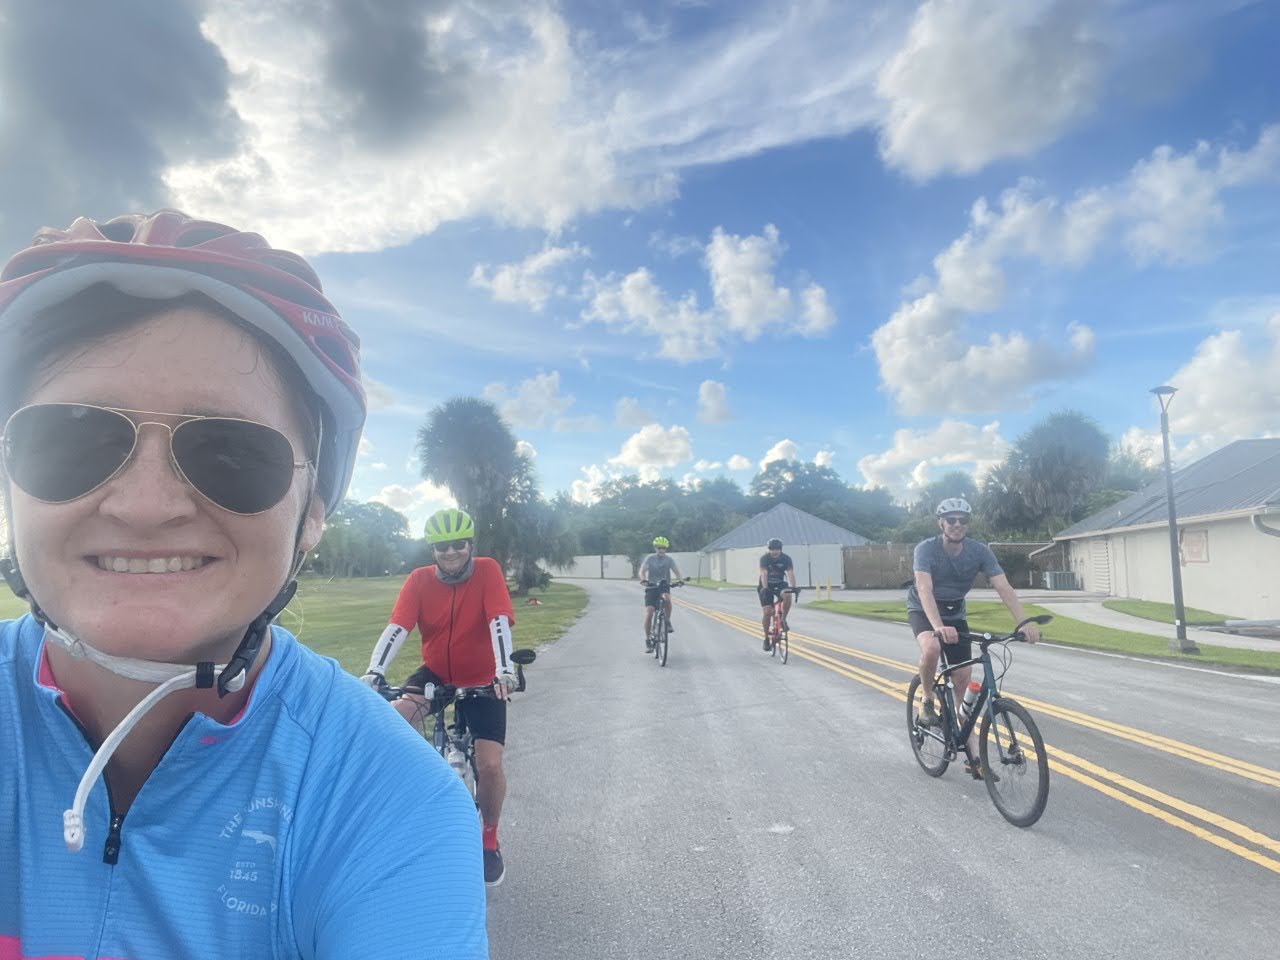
x,y
89,562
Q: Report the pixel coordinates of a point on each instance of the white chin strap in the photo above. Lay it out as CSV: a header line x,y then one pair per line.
x,y
169,676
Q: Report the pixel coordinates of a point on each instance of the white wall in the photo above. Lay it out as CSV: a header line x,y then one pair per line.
x,y
615,567
618,567
1238,578
813,564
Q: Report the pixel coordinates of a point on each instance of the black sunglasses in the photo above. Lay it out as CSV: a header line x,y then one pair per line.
x,y
446,545
957,521
59,452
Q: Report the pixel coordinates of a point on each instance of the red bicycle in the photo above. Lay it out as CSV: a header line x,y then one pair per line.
x,y
779,632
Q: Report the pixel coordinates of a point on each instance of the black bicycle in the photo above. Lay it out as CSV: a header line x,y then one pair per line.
x,y
659,638
450,737
1013,759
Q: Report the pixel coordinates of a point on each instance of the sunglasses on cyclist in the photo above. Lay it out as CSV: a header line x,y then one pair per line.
x,y
59,452
957,521
447,545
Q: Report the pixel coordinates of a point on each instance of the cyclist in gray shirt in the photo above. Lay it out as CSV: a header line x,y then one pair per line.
x,y
945,567
656,568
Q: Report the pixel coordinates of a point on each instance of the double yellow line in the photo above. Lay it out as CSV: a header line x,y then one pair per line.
x,y
1139,796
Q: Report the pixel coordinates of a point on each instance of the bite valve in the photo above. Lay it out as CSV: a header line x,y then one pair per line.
x,y
73,830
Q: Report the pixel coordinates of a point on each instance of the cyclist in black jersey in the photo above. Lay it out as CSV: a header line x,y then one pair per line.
x,y
776,572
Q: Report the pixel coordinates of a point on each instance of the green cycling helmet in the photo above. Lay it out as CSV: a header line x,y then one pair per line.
x,y
661,542
450,525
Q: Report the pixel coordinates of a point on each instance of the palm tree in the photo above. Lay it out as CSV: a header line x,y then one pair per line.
x,y
1058,463
465,445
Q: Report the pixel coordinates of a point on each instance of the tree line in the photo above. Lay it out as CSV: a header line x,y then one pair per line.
x,y
1061,470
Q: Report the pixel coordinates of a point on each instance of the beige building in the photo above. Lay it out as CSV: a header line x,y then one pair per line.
x,y
1228,507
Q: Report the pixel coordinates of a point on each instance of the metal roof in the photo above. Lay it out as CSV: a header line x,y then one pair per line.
x,y
1241,477
790,525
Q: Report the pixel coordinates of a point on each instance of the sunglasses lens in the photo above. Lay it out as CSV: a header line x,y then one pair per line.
x,y
57,452
241,466
458,545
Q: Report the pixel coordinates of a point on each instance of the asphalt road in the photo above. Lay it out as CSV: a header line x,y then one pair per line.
x,y
727,806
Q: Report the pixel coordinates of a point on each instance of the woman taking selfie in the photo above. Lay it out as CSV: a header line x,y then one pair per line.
x,y
181,409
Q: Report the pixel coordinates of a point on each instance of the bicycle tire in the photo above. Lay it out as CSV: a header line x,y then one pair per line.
x,y
658,618
1021,791
930,751
784,643
663,642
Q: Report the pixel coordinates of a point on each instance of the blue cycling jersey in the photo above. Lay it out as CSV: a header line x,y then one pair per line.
x,y
316,824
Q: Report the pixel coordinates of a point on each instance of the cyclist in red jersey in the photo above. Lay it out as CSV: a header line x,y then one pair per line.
x,y
462,610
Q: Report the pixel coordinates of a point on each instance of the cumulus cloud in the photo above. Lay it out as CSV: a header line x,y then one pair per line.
x,y
417,502
527,281
585,489
627,412
782,450
909,463
75,144
816,315
746,300
713,402
824,458
1227,391
738,462
704,466
979,80
535,403
654,447
526,449
637,303
414,116
1165,209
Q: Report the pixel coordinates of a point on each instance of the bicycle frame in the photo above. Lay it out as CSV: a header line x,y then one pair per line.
x,y
958,733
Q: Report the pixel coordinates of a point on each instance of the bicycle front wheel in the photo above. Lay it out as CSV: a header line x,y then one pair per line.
x,y
664,637
927,743
1014,763
784,645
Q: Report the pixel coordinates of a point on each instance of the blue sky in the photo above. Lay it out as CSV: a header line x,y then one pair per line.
x,y
679,238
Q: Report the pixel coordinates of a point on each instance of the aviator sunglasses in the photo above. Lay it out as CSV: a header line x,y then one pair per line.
x,y
59,452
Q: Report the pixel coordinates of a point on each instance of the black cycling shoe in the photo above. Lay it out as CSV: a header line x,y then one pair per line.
x,y
767,645
494,870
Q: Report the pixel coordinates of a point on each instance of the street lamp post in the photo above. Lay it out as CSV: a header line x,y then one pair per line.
x,y
1180,643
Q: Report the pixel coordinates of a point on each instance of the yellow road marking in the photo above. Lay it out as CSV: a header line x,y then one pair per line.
x,y
1088,773
1146,738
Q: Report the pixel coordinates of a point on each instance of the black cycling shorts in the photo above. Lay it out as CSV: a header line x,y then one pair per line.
x,y
653,596
485,717
954,652
768,593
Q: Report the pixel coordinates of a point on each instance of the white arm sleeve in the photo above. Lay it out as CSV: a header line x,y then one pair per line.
x,y
386,648
500,634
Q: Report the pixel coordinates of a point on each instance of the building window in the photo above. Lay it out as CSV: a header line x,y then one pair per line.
x,y
1194,546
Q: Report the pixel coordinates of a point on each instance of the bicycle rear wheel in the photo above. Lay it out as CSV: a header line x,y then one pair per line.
x,y
927,743
1014,763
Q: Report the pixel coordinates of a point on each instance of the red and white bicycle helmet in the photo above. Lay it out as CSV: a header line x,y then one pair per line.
x,y
168,254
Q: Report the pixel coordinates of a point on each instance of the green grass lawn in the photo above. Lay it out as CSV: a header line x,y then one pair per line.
x,y
344,618
1163,612
10,606
992,615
